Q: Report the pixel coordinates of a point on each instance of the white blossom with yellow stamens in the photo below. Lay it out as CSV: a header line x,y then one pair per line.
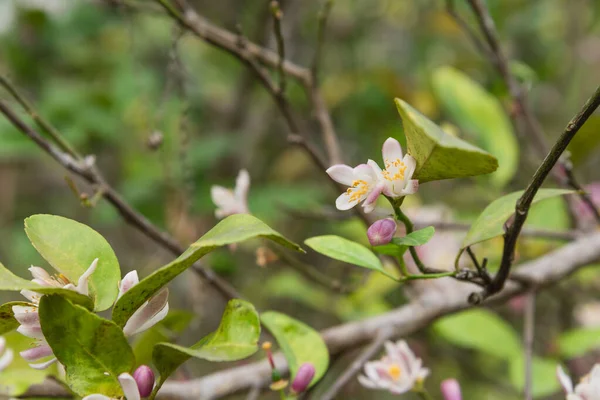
x,y
399,371
398,172
363,185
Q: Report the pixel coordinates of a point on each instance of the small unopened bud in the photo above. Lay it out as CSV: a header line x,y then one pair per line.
x,y
451,389
381,232
304,376
144,377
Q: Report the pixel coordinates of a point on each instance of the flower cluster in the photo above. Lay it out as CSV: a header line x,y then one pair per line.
x,y
588,387
399,371
368,181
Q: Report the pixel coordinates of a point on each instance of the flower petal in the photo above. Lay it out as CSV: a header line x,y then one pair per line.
x,y
34,332
130,388
40,274
366,382
148,314
35,353
391,150
412,186
343,202
242,184
96,397
411,164
82,283
26,315
371,200
564,379
43,365
2,344
223,198
375,174
341,173
6,359
129,280
31,295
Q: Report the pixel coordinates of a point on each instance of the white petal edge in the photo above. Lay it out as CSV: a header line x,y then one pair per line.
x,y
564,379
96,397
34,332
366,382
26,315
82,283
129,280
147,313
391,150
242,185
6,359
43,365
412,186
341,173
411,164
129,386
35,353
344,203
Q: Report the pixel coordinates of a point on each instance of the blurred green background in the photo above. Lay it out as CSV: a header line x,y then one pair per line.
x,y
167,116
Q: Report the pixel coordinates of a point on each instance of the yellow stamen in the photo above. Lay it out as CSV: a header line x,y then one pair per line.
x,y
399,174
359,188
266,346
394,371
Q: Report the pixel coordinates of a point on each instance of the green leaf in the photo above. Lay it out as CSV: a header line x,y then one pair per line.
x,y
70,247
347,251
577,342
490,222
235,339
439,155
480,330
298,342
11,282
586,142
93,350
544,382
416,238
480,114
7,318
233,229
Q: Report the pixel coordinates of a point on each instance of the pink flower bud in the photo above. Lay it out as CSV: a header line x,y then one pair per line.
x,y
144,377
381,232
451,389
305,374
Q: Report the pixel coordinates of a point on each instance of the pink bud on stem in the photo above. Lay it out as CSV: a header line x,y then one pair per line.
x,y
304,376
144,377
451,389
381,232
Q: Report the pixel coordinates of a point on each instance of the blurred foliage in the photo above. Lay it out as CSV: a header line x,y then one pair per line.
x,y
107,77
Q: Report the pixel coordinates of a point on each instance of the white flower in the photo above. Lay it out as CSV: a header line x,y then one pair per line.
x,y
229,201
28,316
398,170
150,313
129,386
588,387
398,371
364,185
6,354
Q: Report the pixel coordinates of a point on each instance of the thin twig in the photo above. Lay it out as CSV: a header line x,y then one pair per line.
x,y
524,202
88,172
528,338
357,364
322,23
451,10
277,16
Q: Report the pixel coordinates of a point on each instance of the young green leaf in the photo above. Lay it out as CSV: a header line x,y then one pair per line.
x,y
490,222
298,342
70,247
577,342
93,350
416,238
347,251
7,317
439,155
480,114
235,339
544,382
11,282
233,229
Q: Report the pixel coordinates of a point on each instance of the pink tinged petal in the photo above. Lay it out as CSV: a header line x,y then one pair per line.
x,y
371,371
34,332
43,365
96,397
366,382
411,164
564,379
36,353
242,185
451,389
130,388
148,314
26,315
423,373
31,296
128,281
342,174
371,200
412,186
6,359
344,203
2,344
40,274
391,150
82,283
369,172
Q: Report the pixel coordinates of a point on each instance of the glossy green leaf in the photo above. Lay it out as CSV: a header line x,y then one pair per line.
x,y
347,251
480,329
233,229
11,282
577,342
298,342
70,247
235,339
481,115
490,222
7,318
544,382
416,238
439,155
93,350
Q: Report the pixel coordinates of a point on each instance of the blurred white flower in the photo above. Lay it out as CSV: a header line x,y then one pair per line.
x,y
364,185
150,313
234,201
6,354
129,386
399,371
398,170
588,314
588,387
28,316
